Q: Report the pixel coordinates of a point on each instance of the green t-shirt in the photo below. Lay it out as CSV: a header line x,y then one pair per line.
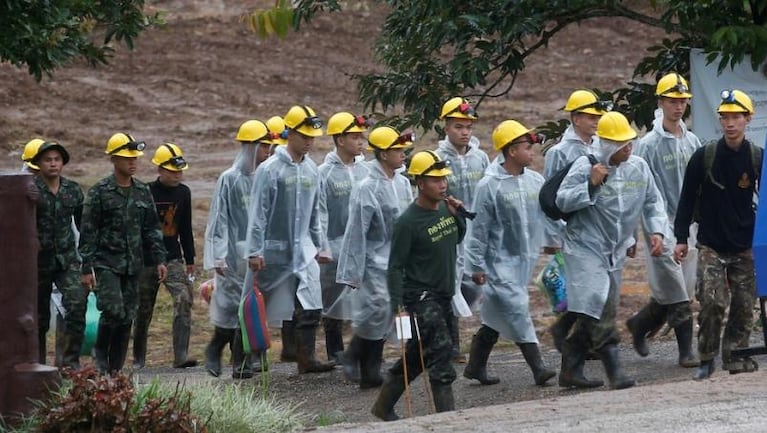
x,y
423,254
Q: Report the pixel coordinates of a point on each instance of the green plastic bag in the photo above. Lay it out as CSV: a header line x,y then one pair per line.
x,y
92,316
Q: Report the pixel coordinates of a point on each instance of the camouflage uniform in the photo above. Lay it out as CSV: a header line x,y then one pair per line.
x,y
58,262
724,280
117,223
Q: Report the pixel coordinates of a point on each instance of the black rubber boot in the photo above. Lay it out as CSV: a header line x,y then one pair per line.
x,y
571,374
443,397
645,323
118,348
683,333
240,361
41,350
481,345
71,354
334,337
288,333
370,362
455,338
610,359
561,328
532,355
139,345
181,331
305,352
101,348
705,370
350,359
392,389
221,337
259,363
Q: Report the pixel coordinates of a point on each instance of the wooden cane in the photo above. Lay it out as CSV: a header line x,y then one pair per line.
x,y
408,402
426,382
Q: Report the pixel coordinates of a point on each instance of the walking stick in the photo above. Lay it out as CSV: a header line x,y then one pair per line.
x,y
426,382
408,402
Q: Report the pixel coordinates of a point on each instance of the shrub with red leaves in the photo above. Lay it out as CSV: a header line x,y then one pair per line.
x,y
96,404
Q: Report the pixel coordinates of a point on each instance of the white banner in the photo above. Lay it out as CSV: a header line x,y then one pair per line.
x,y
707,85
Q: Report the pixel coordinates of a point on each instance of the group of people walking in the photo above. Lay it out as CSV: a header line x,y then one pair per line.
x,y
367,241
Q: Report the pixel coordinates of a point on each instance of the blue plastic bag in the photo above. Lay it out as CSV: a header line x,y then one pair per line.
x,y
551,281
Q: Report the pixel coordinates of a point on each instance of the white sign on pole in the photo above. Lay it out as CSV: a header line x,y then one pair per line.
x,y
707,85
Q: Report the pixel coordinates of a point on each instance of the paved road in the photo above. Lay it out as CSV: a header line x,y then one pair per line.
x,y
666,398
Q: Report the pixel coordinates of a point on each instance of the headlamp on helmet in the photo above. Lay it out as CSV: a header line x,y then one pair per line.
x,y
673,86
170,157
428,163
735,101
458,108
131,145
122,144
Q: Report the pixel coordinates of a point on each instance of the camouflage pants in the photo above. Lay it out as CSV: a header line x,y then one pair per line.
x,y
432,315
177,283
116,297
594,334
73,294
724,280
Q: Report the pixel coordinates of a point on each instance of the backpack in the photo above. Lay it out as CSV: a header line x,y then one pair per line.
x,y
709,155
547,197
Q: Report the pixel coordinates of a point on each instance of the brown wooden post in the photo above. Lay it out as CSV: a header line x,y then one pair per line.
x,y
22,379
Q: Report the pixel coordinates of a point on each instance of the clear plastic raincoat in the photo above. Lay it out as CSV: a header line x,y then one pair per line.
x,y
504,242
467,170
284,228
598,235
336,183
364,256
225,236
667,157
569,148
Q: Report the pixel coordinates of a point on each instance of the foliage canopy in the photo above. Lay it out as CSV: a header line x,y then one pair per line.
x,y
433,49
43,35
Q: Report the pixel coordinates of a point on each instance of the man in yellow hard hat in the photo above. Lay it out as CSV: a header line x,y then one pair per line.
x,y
343,169
285,242
608,200
225,237
718,189
666,149
579,139
173,201
502,251
120,225
362,261
421,278
467,163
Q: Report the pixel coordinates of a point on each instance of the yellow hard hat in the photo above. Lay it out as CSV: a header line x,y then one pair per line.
x,y
344,122
30,150
458,108
386,137
615,127
674,86
251,131
735,101
122,144
170,157
46,146
428,163
278,133
508,131
586,101
303,119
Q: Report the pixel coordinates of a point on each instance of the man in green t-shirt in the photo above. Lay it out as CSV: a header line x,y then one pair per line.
x,y
421,277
